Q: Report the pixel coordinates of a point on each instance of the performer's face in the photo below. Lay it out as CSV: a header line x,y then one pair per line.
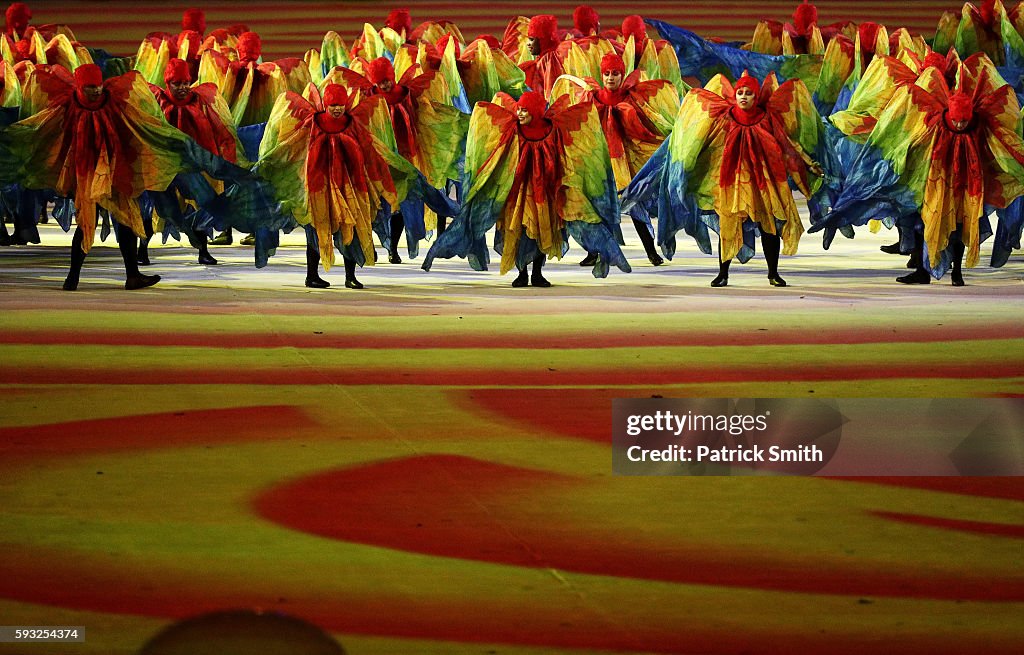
x,y
92,92
745,98
179,90
533,43
336,111
386,85
612,80
960,126
524,116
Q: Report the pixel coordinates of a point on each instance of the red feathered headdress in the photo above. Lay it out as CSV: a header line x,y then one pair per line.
x,y
544,28
335,94
612,62
249,47
380,69
586,20
88,75
805,17
747,81
194,19
177,71
961,107
238,29
533,103
18,15
399,20
634,26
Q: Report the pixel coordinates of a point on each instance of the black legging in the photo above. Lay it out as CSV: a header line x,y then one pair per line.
x,y
127,243
771,246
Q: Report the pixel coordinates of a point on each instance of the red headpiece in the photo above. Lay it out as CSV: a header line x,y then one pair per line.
x,y
442,43
249,47
490,40
586,20
335,94
612,62
380,69
18,15
545,29
533,103
238,29
747,81
88,75
194,19
399,20
634,26
961,107
805,17
177,71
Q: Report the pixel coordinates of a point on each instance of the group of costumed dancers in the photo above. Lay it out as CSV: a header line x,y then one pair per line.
x,y
540,136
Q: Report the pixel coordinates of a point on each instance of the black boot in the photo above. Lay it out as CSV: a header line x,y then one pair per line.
x,y
920,275
143,257
129,247
397,226
891,248
313,279
204,250
957,276
350,274
723,273
538,279
771,244
648,241
77,259
522,280
590,259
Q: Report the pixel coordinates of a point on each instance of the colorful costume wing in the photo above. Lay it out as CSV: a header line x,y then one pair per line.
x,y
945,32
677,177
70,150
213,67
151,60
976,34
703,59
767,38
836,68
449,70
579,64
62,52
333,53
880,81
10,89
440,127
887,179
513,42
492,154
370,46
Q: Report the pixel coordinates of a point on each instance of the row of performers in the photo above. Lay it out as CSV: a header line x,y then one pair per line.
x,y
929,151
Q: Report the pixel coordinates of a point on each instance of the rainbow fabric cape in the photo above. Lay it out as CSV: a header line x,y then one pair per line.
x,y
104,157
709,175
913,164
535,204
